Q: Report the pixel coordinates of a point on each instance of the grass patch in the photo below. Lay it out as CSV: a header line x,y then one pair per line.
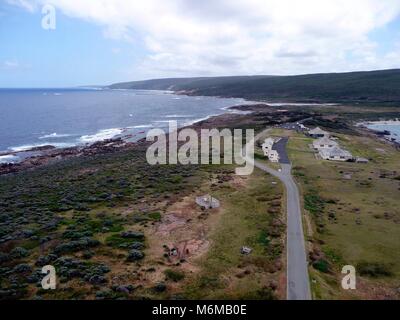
x,y
116,241
245,221
174,275
355,235
263,238
156,216
374,269
314,203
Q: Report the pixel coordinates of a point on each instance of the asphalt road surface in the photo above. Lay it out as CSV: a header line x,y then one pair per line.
x,y
298,286
280,146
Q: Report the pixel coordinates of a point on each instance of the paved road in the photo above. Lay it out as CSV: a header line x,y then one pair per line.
x,y
280,146
298,287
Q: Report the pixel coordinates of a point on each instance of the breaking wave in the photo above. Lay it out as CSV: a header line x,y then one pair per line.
x,y
101,135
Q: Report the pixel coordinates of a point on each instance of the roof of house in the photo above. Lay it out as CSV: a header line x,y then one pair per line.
x,y
325,140
269,141
273,152
336,152
317,130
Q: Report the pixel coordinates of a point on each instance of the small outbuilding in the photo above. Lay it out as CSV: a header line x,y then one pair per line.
x,y
318,133
361,160
245,250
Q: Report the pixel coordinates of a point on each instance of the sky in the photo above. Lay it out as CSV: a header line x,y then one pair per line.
x,y
105,41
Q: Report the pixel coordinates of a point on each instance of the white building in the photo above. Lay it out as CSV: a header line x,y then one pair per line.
x,y
302,126
324,143
335,153
272,155
267,145
318,133
362,160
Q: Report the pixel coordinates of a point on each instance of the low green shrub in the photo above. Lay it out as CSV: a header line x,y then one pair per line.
x,y
174,275
373,269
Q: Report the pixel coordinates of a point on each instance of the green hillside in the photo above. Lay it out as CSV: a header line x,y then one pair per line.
x,y
381,86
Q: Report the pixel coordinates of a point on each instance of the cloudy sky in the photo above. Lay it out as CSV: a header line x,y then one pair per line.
x,y
105,41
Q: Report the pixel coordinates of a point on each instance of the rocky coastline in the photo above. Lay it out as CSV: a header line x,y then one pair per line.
x,y
44,155
48,154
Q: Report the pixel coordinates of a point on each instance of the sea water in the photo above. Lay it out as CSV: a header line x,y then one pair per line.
x,y
69,117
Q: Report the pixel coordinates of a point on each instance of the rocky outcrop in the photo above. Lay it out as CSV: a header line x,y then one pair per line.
x,y
50,154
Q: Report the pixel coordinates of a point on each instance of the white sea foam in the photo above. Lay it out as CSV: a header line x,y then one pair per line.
x,y
101,135
54,135
162,121
177,116
31,146
190,122
299,104
92,88
141,126
27,147
9,158
394,122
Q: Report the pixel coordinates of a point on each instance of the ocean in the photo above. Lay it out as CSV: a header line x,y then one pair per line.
x,y
69,117
393,128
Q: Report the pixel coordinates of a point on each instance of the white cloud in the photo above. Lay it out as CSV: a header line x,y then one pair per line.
x,y
30,6
210,37
116,50
10,64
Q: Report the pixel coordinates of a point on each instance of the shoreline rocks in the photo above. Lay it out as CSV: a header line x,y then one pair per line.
x,y
50,154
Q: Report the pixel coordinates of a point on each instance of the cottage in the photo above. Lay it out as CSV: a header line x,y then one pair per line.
x,y
361,160
273,156
245,250
267,145
324,143
318,133
336,154
207,202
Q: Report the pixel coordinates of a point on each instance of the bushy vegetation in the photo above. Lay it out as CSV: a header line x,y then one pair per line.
x,y
174,275
69,210
314,203
364,87
374,269
321,265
